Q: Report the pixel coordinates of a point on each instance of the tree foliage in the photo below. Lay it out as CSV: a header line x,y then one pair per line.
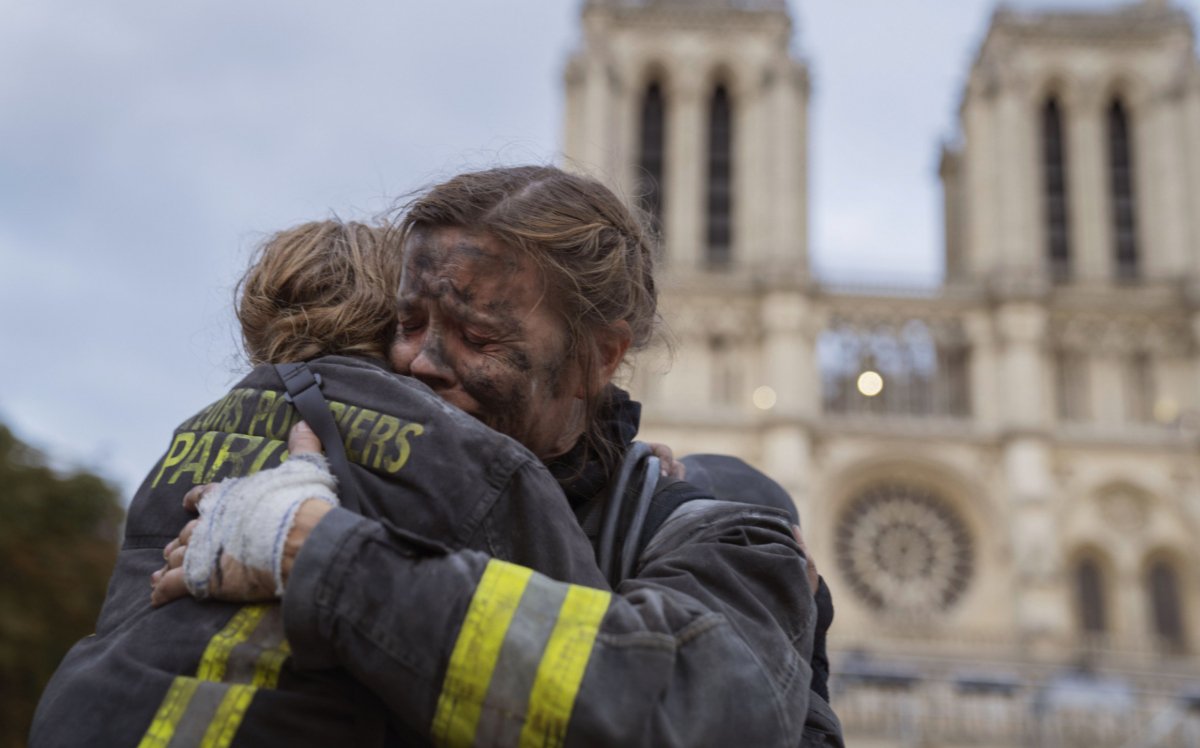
x,y
58,544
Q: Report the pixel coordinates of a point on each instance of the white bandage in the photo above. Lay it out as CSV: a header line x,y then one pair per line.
x,y
249,519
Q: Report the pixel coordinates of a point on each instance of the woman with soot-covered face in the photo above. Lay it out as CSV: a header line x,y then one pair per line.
x,y
522,291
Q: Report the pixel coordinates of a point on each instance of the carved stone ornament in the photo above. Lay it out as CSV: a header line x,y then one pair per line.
x,y
1124,508
1109,333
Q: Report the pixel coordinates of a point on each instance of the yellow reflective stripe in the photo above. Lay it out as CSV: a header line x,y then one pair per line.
x,y
162,727
228,719
213,666
475,652
238,630
266,670
561,670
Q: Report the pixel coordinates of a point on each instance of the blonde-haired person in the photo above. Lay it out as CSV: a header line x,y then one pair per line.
x,y
321,288
523,290
322,292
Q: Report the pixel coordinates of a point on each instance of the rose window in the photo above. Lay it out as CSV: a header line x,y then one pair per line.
x,y
903,549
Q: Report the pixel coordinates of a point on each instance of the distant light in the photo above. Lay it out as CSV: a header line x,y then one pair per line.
x,y
870,383
1166,410
764,398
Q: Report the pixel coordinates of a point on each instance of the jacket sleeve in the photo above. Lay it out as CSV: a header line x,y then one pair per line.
x,y
708,645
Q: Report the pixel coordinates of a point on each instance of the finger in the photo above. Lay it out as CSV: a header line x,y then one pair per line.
x,y
170,586
185,535
175,558
191,499
668,465
662,452
677,470
302,440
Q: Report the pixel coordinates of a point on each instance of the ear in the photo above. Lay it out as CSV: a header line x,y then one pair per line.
x,y
611,347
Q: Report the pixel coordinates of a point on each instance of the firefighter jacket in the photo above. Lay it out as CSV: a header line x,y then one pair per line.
x,y
220,674
709,643
389,633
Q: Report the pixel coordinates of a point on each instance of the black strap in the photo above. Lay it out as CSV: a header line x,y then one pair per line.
x,y
641,500
304,392
616,512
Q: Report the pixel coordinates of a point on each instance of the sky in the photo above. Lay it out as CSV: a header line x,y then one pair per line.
x,y
146,147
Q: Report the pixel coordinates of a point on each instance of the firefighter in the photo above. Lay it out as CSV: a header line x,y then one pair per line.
x,y
523,290
207,673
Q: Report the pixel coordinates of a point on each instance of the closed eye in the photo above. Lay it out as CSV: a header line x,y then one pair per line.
x,y
476,340
410,325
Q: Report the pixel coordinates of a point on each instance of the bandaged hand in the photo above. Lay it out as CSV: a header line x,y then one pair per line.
x,y
236,549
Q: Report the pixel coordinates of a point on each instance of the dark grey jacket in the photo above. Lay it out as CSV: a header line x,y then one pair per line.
x,y
227,665
391,637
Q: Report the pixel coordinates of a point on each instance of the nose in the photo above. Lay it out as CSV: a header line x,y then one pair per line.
x,y
430,366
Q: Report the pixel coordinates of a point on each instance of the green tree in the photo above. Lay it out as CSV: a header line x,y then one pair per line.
x,y
58,544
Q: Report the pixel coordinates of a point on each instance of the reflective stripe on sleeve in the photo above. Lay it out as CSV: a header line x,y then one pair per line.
x,y
476,651
207,710
561,670
238,630
175,703
228,718
519,660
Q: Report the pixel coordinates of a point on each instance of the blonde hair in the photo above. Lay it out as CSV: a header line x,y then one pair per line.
x,y
321,288
593,251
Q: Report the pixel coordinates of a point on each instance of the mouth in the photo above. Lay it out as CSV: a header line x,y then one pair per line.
x,y
460,400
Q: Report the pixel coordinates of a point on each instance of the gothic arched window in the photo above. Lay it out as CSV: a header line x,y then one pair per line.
x,y
1166,608
720,179
1054,185
652,153
1089,594
1124,214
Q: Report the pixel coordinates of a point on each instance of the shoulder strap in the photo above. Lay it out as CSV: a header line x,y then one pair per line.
x,y
304,392
640,502
617,510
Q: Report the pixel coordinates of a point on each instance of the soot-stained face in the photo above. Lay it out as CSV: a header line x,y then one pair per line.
x,y
478,326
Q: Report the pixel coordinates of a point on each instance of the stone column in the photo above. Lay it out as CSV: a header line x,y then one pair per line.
x,y
983,226
1021,326
751,164
1106,390
1160,187
790,323
788,170
626,98
685,388
1041,613
983,376
684,178
574,81
1018,199
1088,184
1191,154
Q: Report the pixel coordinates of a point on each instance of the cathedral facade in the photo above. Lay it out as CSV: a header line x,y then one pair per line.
x,y
999,477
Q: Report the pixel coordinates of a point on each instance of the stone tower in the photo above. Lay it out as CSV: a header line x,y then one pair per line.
x,y
697,111
1074,200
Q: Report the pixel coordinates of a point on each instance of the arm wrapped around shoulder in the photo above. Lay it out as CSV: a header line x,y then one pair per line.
x,y
244,523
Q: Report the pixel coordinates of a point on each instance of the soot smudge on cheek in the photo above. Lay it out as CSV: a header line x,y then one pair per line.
x,y
503,400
